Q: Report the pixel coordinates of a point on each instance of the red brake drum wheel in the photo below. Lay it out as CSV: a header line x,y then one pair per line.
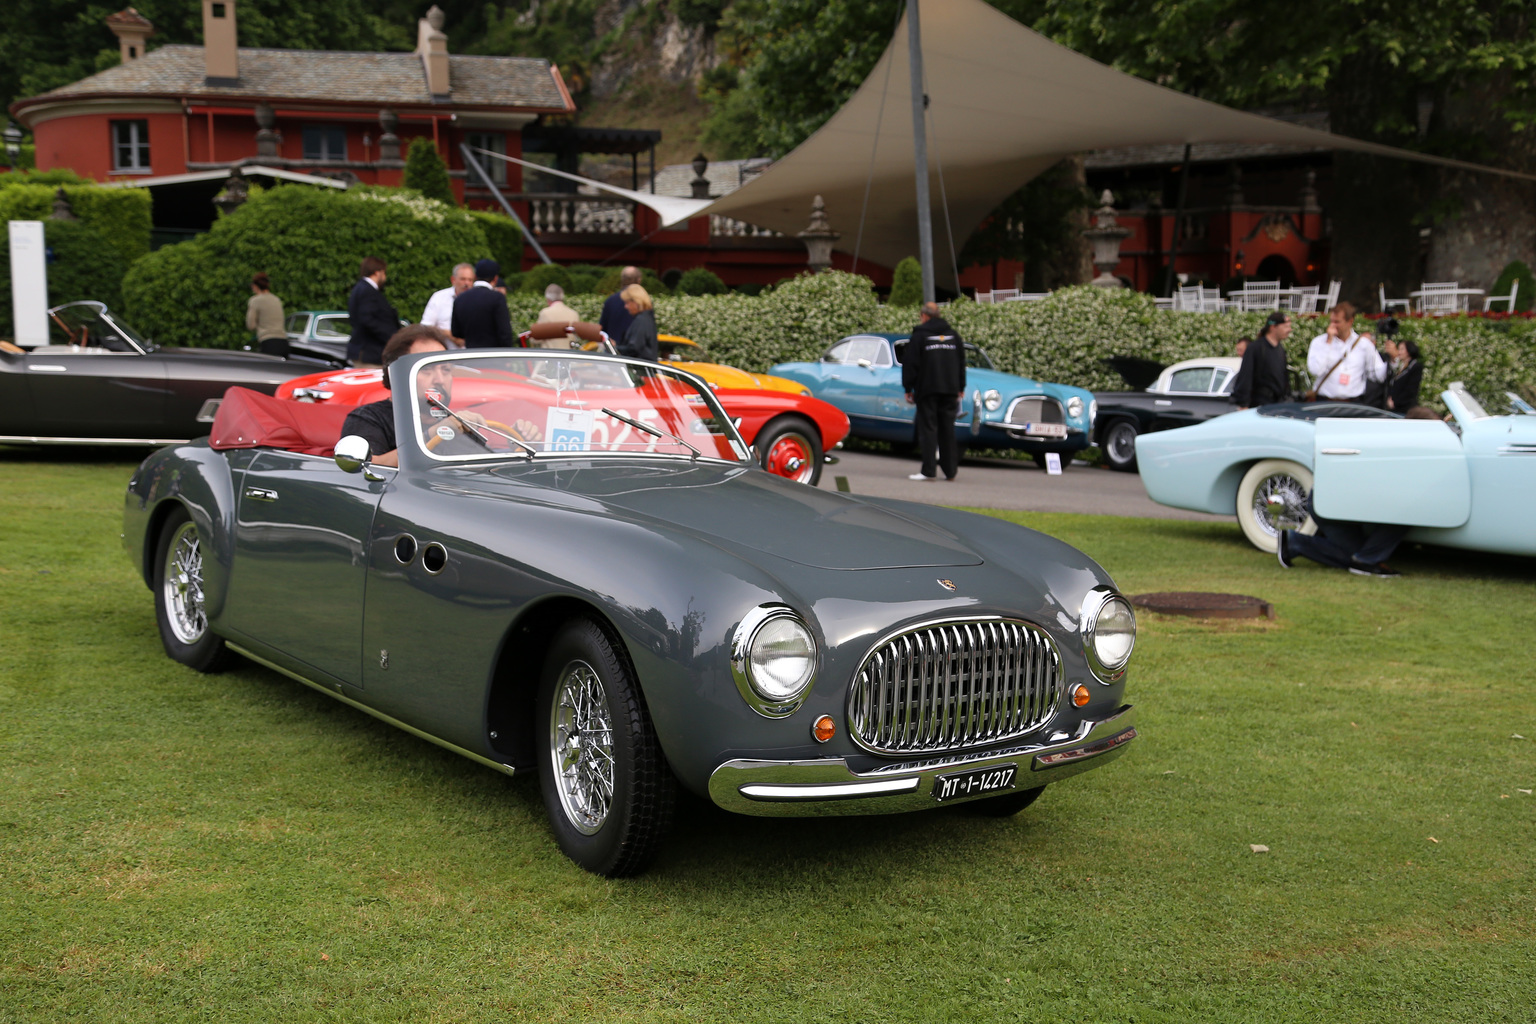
x,y
791,449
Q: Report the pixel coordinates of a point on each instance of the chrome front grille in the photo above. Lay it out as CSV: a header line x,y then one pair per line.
x,y
954,685
1036,409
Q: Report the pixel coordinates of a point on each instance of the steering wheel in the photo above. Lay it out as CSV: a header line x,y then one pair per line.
x,y
434,441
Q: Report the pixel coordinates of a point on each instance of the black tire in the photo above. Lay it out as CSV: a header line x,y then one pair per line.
x,y
791,447
1066,460
1006,805
610,822
1118,443
179,598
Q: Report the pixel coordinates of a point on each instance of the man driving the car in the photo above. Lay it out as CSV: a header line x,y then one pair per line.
x,y
375,422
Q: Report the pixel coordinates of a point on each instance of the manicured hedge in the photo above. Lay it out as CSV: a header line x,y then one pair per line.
x,y
310,242
1063,338
503,236
89,256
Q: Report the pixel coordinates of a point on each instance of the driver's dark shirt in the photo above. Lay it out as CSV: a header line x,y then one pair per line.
x,y
374,422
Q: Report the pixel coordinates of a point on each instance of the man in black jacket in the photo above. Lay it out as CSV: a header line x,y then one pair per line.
x,y
1263,378
480,314
374,321
933,376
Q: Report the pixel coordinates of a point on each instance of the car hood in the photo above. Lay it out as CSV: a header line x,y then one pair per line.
x,y
746,508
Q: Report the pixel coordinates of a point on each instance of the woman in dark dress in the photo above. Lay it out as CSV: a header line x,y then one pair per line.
x,y
1405,375
639,341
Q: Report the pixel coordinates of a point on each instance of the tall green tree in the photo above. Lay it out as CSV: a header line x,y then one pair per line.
x,y
426,173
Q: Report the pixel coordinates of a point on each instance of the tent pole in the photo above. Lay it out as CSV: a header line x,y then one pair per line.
x,y
474,165
1178,225
920,152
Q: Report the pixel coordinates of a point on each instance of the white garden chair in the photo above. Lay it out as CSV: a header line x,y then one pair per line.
x,y
1439,298
1508,300
1258,295
1386,303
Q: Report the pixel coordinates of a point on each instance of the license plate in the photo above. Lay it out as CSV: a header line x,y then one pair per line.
x,y
1045,429
996,779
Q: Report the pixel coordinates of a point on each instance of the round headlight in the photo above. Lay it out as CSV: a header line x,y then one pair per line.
x,y
992,400
1109,633
1075,406
773,660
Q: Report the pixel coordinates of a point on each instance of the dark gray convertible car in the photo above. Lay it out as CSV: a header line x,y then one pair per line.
x,y
99,382
577,569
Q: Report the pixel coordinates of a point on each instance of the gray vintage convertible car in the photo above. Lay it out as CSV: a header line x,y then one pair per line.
x,y
578,569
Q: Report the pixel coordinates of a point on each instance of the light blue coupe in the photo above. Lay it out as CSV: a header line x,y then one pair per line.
x,y
861,375
1466,483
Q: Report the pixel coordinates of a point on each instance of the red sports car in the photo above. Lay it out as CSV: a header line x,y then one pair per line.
x,y
791,433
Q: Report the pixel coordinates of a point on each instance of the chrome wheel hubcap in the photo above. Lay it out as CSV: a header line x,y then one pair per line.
x,y
184,586
1280,503
581,747
1122,443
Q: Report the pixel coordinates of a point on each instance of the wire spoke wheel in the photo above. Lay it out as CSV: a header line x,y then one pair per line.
x,y
1273,497
181,600
183,583
581,748
607,787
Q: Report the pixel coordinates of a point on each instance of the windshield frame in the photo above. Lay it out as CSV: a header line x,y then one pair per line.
x,y
408,414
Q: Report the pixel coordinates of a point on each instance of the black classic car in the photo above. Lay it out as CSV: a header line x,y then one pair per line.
x,y
579,570
99,382
1183,394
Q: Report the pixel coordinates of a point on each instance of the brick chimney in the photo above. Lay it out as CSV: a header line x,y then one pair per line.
x,y
432,45
221,55
131,29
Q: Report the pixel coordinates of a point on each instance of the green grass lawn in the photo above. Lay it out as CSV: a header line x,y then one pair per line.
x,y
239,848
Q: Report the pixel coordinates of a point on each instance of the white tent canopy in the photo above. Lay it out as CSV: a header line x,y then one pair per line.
x,y
1005,104
671,209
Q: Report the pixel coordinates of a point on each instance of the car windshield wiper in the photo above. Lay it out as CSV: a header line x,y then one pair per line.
x,y
648,429
474,432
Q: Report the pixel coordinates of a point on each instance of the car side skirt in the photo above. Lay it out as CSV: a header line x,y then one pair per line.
x,y
828,787
334,693
131,442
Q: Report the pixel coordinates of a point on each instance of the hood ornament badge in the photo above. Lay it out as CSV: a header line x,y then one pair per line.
x,y
947,584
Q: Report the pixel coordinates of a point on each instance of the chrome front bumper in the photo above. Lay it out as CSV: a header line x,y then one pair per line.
x,y
828,787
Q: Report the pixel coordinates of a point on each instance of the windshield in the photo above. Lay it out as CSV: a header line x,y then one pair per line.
x,y
89,325
473,407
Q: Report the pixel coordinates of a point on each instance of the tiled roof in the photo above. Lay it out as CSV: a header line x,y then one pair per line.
x,y
329,75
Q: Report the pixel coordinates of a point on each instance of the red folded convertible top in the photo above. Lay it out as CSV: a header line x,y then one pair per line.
x,y
250,419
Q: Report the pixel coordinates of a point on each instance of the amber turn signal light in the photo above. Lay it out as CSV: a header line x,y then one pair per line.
x,y
1080,695
824,728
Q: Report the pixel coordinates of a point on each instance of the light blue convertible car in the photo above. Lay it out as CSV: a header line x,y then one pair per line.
x,y
1466,483
861,375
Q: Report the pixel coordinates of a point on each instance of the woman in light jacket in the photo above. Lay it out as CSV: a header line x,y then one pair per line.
x,y
264,315
639,341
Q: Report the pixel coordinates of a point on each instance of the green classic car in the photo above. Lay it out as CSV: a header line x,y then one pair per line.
x,y
577,569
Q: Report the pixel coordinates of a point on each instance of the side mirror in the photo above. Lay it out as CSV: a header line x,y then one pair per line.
x,y
865,363
352,453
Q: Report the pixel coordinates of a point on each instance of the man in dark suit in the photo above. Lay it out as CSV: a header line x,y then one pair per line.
x,y
480,314
374,320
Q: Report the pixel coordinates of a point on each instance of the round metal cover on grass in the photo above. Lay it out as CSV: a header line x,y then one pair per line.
x,y
1205,606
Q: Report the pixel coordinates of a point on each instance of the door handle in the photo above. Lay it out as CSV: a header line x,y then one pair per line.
x,y
48,367
1341,451
260,494
1161,401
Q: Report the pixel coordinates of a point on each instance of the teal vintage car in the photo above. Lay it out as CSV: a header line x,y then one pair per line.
x,y
1466,483
861,375
578,569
